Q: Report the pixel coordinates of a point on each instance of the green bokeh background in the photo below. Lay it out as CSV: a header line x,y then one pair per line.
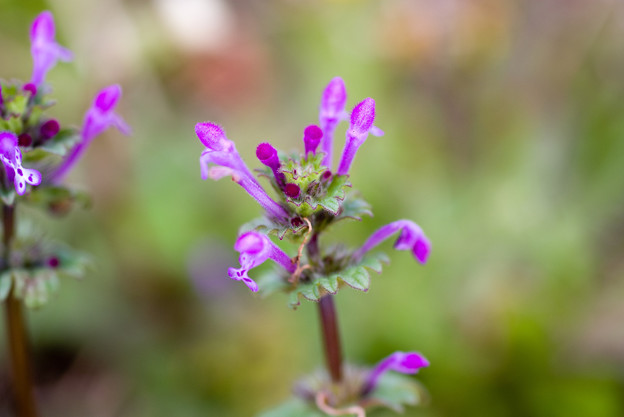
x,y
504,140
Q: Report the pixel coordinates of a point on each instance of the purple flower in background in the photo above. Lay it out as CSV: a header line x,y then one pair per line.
x,y
411,238
45,51
12,159
100,116
221,152
332,112
255,248
403,362
362,119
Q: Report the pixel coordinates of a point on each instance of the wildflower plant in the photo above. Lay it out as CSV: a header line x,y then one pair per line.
x,y
310,195
37,152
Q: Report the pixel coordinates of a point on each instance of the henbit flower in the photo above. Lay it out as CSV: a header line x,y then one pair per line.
x,y
403,362
312,136
221,152
44,49
332,112
100,116
255,248
267,154
362,118
11,157
411,238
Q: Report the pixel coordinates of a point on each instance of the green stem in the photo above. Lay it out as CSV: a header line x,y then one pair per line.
x,y
16,331
329,322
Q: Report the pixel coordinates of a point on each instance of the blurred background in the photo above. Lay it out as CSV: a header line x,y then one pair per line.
x,y
504,124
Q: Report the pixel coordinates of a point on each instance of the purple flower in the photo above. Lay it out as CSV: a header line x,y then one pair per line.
x,y
403,362
411,238
267,154
221,152
362,118
312,136
332,112
255,248
99,117
11,157
45,51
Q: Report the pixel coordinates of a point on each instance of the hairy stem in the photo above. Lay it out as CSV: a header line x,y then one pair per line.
x,y
16,331
329,322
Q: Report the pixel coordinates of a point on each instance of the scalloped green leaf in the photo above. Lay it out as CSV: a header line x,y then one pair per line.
x,y
354,208
270,227
396,391
335,194
294,408
355,276
17,105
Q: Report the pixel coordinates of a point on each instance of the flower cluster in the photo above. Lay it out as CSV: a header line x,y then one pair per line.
x,y
307,187
37,153
310,195
25,129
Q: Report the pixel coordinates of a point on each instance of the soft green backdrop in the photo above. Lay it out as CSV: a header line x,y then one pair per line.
x,y
504,140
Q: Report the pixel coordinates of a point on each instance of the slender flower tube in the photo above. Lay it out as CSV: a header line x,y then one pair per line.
x,y
267,154
332,112
403,362
362,119
312,136
11,157
44,49
255,248
99,117
221,152
411,238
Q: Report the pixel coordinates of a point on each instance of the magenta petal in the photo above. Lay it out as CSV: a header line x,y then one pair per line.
x,y
212,136
312,136
363,116
411,238
406,363
43,27
107,98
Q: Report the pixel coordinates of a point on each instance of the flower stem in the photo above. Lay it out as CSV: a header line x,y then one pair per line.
x,y
329,322
16,331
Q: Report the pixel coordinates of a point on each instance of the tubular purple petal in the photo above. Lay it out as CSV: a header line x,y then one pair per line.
x,y
267,154
312,136
98,118
403,362
213,137
44,49
331,112
230,163
362,119
411,238
255,248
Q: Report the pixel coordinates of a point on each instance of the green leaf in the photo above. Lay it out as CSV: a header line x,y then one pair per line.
x,y
62,142
335,194
356,276
17,105
8,195
354,208
395,391
294,408
270,227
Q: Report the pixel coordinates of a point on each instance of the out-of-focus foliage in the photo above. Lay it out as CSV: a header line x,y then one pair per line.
x,y
504,140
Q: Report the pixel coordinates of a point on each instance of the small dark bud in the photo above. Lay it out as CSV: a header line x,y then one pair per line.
x,y
49,129
24,139
31,88
313,188
326,176
53,262
297,222
292,190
